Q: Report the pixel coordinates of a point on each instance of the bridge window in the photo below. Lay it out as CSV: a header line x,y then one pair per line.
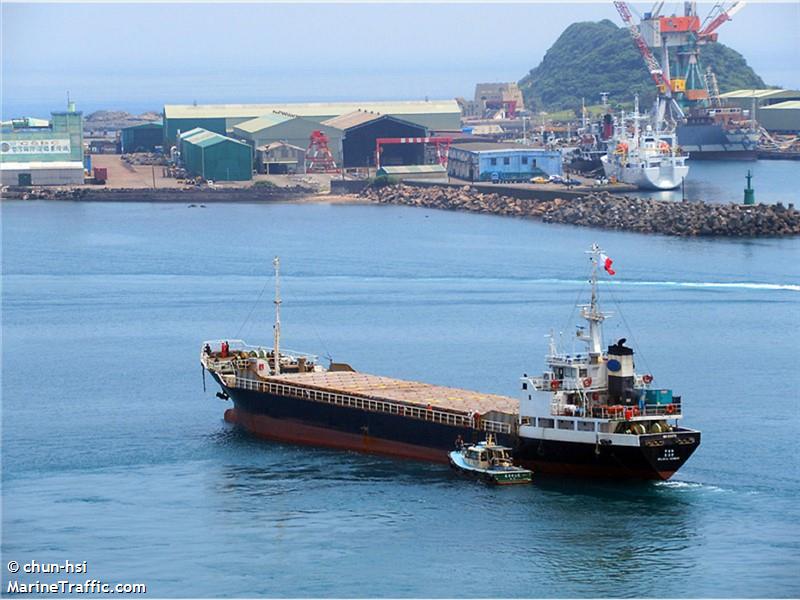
x,y
546,423
585,426
566,424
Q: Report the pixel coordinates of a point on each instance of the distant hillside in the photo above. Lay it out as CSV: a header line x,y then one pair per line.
x,y
589,58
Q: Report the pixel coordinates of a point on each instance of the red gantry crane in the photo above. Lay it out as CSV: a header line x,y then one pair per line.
x,y
319,158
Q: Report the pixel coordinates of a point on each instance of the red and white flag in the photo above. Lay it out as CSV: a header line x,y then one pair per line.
x,y
607,262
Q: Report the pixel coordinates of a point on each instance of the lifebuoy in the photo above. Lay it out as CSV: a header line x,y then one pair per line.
x,y
587,381
647,378
670,409
554,385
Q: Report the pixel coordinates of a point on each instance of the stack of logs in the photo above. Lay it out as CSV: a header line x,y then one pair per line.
x,y
608,211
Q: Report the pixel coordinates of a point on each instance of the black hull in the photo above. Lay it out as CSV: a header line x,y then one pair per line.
x,y
309,422
743,155
659,461
583,165
295,420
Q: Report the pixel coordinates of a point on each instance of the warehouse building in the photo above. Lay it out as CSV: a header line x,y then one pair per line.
x,y
216,157
362,129
487,161
38,152
283,127
783,117
145,137
747,100
222,118
280,158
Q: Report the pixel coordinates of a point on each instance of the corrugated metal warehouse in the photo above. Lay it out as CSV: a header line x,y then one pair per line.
x,y
33,154
435,173
144,137
363,128
783,117
221,118
280,157
746,99
480,161
280,127
216,157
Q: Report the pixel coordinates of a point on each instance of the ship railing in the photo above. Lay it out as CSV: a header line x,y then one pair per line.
x,y
567,383
619,411
373,405
238,346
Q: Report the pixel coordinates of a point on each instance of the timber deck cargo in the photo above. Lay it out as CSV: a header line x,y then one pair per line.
x,y
352,410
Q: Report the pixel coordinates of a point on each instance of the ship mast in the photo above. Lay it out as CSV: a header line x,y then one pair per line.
x,y
591,312
276,354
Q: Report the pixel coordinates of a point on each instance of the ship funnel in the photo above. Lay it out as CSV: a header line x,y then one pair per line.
x,y
620,374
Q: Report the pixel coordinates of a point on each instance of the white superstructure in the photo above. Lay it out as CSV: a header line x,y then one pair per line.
x,y
594,397
649,159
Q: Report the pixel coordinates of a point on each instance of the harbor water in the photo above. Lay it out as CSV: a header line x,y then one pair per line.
x,y
114,454
724,181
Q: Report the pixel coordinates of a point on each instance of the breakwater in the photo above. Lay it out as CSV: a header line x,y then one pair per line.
x,y
607,211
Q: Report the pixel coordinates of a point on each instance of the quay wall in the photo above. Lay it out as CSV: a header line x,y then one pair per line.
x,y
189,195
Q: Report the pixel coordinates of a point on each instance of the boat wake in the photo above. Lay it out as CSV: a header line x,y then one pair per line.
x,y
735,285
689,485
740,285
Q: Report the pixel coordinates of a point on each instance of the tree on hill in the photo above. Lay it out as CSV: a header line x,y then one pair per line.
x,y
593,57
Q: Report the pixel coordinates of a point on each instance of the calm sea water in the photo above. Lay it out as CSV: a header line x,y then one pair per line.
x,y
114,454
724,181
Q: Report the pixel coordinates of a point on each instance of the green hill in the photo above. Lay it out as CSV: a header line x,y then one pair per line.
x,y
589,58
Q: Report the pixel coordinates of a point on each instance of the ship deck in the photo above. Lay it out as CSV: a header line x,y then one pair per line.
x,y
410,393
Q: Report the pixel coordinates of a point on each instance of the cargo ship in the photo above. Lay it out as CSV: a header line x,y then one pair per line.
x,y
719,133
584,416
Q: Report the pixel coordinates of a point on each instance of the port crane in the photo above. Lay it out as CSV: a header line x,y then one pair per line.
x,y
688,88
665,103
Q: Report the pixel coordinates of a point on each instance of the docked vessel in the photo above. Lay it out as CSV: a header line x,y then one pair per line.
x,y
649,159
490,462
719,133
588,414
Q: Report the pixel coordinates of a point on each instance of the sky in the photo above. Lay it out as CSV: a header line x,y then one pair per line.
x,y
140,56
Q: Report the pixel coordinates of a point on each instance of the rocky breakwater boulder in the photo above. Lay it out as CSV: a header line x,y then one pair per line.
x,y
607,211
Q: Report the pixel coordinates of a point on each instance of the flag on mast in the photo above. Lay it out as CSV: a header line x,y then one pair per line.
x,y
607,262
